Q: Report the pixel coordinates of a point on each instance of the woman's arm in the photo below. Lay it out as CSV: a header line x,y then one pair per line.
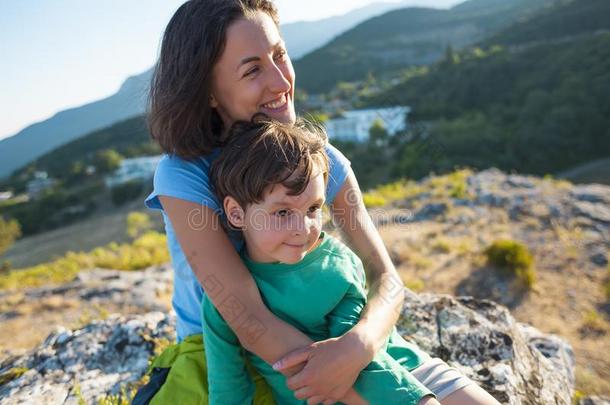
x,y
228,283
386,289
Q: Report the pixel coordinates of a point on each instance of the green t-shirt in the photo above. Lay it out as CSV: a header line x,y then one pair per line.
x,y
322,296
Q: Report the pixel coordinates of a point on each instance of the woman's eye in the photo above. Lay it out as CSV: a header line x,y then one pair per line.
x,y
281,54
251,71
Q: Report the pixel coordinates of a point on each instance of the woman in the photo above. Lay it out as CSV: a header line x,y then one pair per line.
x,y
223,61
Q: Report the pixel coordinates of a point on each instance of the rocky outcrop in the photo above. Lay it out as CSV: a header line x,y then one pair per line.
x,y
88,363
515,362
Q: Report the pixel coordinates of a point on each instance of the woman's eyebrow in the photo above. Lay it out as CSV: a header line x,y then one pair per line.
x,y
247,60
278,45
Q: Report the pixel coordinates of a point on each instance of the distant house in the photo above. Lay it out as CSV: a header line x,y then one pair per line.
x,y
355,125
140,168
5,195
39,183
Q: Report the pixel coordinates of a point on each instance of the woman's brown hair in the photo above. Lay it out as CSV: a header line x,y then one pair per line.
x,y
180,117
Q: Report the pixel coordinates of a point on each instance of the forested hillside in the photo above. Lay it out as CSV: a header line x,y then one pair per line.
x,y
406,37
537,107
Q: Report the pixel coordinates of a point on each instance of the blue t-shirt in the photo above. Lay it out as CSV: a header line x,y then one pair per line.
x,y
189,180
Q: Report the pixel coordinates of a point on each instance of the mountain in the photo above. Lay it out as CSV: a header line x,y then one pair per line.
x,y
406,37
129,138
68,125
568,20
305,36
129,101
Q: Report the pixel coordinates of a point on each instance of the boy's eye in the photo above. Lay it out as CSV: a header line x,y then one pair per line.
x,y
282,213
313,209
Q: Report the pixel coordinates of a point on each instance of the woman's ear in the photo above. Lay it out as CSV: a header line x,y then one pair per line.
x,y
235,214
213,102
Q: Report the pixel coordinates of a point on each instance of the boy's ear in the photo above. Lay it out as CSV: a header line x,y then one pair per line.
x,y
235,214
213,101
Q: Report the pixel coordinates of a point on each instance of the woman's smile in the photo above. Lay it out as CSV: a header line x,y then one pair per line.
x,y
278,105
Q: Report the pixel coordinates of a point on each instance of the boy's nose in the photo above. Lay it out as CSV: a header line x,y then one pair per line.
x,y
300,225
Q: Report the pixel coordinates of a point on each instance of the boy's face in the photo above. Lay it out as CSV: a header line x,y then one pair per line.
x,y
282,228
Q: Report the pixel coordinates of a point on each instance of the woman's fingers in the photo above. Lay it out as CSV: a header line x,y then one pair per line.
x,y
292,359
297,381
315,400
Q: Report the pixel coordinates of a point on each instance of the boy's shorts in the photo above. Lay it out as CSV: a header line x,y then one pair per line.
x,y
440,378
179,376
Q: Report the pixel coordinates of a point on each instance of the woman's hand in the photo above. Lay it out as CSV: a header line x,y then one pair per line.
x,y
330,370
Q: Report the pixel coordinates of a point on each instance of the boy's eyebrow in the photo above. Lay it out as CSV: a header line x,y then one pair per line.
x,y
319,201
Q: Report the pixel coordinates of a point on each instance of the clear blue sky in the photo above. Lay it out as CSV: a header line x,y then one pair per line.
x,y
57,54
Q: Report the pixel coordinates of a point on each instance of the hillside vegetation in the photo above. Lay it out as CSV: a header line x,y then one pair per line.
x,y
407,37
539,107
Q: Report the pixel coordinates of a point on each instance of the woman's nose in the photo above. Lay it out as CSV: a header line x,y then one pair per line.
x,y
278,81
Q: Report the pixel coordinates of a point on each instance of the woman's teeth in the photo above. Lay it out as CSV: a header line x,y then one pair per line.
x,y
276,104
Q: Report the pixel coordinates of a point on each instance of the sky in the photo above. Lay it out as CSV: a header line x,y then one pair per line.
x,y
59,54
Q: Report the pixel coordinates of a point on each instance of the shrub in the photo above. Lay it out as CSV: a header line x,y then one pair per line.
x,y
9,232
515,258
137,224
126,192
373,200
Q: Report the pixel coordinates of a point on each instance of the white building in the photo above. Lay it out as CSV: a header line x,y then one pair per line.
x,y
140,168
6,195
39,183
356,124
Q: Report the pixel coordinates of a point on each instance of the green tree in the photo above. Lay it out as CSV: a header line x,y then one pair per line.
x,y
107,160
126,192
9,232
378,136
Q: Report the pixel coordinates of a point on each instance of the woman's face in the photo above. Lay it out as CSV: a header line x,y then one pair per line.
x,y
254,74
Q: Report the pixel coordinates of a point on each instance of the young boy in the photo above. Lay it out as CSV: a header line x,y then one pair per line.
x,y
271,179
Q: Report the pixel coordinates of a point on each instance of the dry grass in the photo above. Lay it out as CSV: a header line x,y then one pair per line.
x,y
565,294
82,236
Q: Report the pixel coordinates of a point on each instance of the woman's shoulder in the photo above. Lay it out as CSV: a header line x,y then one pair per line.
x,y
172,163
186,179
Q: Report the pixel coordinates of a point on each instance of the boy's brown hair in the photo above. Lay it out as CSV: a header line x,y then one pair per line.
x,y
260,154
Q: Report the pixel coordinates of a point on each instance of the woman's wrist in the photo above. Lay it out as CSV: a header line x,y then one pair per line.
x,y
364,344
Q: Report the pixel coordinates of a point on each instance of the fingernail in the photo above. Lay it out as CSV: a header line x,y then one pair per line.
x,y
277,365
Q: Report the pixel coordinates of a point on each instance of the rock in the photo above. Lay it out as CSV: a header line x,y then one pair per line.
x,y
140,289
595,401
430,211
99,359
516,181
599,257
593,193
596,212
514,362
